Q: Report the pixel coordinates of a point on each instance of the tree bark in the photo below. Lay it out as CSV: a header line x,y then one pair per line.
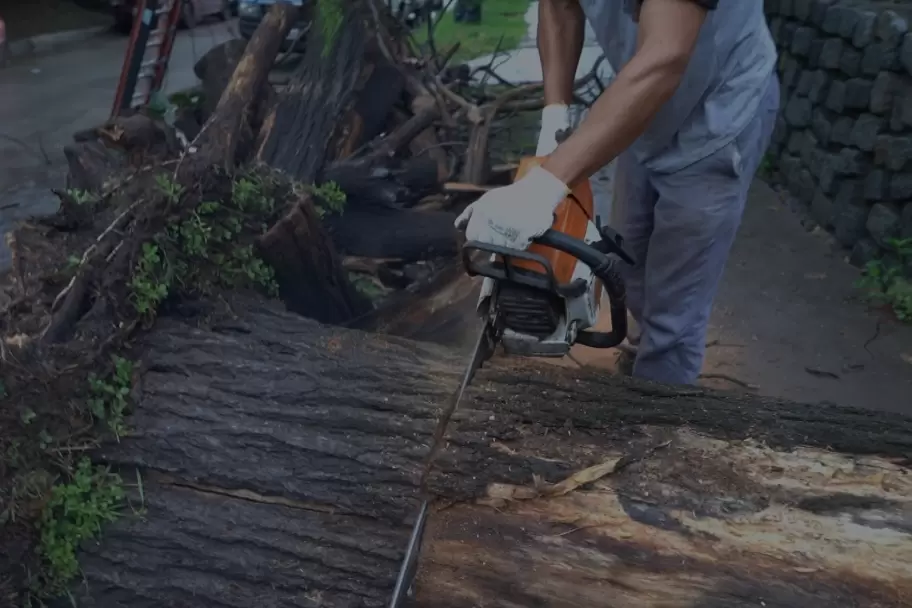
x,y
322,116
390,233
280,462
373,182
225,130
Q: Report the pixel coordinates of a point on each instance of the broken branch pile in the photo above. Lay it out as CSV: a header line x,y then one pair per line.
x,y
243,455
330,191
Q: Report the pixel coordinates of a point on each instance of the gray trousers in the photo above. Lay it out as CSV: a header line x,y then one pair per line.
x,y
681,226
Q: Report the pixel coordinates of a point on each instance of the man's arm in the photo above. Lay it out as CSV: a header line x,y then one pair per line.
x,y
668,32
561,29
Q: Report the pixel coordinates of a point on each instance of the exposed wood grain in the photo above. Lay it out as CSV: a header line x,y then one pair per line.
x,y
281,460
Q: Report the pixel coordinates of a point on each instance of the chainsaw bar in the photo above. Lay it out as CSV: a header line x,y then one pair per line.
x,y
484,348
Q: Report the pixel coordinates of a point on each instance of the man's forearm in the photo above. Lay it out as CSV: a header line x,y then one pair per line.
x,y
668,33
561,29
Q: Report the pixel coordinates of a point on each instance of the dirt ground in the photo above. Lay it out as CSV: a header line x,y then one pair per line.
x,y
788,321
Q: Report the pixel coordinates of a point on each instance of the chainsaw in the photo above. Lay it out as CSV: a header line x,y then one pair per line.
x,y
536,303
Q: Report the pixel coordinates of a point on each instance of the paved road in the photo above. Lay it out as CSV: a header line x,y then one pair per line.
x,y
47,98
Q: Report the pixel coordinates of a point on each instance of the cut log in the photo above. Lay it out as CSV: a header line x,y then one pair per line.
x,y
372,182
391,233
312,280
280,462
215,68
321,116
226,129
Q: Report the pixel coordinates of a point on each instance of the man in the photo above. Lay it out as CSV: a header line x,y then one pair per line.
x,y
689,116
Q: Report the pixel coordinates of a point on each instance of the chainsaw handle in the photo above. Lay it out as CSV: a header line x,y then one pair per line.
x,y
605,269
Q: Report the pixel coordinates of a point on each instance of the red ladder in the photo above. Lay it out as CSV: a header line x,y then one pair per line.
x,y
148,52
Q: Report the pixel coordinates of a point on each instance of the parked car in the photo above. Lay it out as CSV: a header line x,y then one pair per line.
x,y
192,12
251,12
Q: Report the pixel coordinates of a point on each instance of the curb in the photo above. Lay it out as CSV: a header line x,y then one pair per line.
x,y
46,42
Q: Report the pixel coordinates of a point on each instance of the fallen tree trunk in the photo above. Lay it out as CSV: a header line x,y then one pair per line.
x,y
281,459
224,132
390,233
324,114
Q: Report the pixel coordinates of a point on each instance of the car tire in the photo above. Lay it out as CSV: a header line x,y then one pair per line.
x,y
123,22
188,15
225,14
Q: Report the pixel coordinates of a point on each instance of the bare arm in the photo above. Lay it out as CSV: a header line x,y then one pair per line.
x,y
561,29
668,31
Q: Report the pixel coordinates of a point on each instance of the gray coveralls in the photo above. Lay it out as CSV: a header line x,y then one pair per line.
x,y
684,183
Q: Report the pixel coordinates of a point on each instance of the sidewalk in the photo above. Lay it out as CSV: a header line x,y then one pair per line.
x,y
787,321
43,25
46,98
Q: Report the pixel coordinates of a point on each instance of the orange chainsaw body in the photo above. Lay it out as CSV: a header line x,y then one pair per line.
x,y
572,217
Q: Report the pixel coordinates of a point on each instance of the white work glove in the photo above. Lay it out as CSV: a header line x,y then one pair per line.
x,y
514,215
555,118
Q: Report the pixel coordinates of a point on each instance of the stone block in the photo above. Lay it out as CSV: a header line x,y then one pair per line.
x,y
780,131
905,221
901,116
801,41
818,11
805,185
827,179
878,57
842,131
883,223
789,166
850,216
864,29
830,53
851,162
795,142
798,112
801,9
836,97
901,187
858,93
786,8
775,27
864,251
832,20
818,164
804,83
884,90
890,28
875,185
822,126
849,21
822,209
787,33
790,68
864,133
813,56
850,62
808,147
820,83
893,152
905,53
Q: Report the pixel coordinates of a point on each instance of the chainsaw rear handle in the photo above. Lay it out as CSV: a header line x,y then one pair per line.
x,y
604,268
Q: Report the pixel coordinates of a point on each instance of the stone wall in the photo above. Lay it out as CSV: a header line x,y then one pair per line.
x,y
843,140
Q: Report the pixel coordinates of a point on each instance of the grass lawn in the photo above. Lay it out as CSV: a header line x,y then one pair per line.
x,y
499,18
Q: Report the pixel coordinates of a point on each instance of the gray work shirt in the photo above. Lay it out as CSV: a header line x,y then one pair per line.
x,y
722,87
